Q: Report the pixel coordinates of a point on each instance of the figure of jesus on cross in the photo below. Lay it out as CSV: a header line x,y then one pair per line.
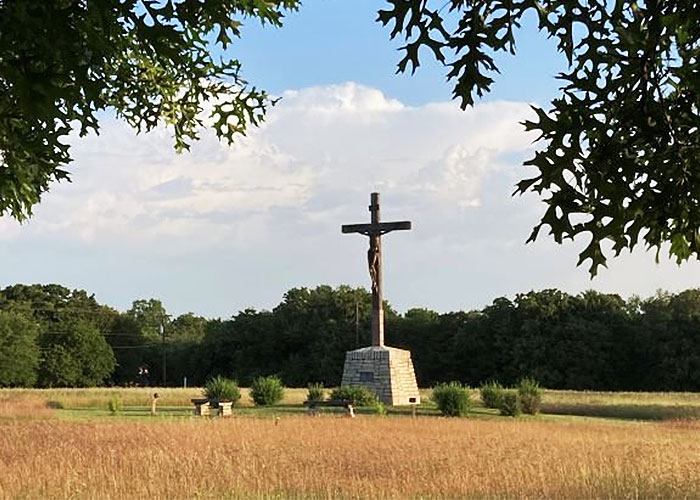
x,y
375,230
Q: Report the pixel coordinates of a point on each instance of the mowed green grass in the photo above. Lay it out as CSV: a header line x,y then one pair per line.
x,y
176,402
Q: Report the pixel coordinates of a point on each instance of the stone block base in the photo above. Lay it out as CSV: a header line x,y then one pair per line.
x,y
386,371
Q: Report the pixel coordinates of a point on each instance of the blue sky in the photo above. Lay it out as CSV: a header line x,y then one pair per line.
x,y
331,41
223,228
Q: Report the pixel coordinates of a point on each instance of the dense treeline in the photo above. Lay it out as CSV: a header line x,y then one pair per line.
x,y
51,336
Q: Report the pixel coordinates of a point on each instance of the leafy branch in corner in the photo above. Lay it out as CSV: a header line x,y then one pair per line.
x,y
620,146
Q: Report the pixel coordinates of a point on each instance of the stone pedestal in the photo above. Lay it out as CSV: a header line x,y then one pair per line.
x,y
202,407
386,371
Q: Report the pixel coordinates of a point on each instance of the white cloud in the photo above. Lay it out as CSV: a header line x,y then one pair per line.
x,y
322,148
221,228
348,98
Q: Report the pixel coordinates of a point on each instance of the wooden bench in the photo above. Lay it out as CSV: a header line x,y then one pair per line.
x,y
312,404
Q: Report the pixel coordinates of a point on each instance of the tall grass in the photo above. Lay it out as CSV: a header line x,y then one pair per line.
x,y
623,405
338,458
16,406
99,397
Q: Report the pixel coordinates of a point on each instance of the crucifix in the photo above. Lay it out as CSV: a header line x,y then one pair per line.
x,y
375,230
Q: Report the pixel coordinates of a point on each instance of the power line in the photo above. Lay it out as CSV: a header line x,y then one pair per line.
x,y
142,346
19,308
134,346
105,334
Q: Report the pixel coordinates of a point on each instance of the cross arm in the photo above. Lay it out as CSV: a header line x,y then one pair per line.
x,y
376,229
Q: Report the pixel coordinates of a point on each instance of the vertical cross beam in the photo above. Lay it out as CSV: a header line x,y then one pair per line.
x,y
374,230
374,258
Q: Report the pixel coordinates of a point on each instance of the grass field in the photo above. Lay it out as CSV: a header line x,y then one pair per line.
x,y
73,448
619,405
624,405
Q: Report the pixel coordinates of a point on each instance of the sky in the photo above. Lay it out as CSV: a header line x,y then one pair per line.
x,y
223,228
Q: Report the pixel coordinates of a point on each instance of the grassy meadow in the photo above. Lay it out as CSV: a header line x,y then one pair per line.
x,y
64,444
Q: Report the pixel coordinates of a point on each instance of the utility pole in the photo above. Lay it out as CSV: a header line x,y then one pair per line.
x,y
162,336
357,322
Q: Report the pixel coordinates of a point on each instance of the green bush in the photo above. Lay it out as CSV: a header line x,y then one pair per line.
x,y
510,403
266,391
114,405
530,396
356,394
491,394
380,409
316,392
221,389
452,399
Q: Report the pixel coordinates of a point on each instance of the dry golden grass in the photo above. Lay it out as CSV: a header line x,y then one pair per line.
x,y
24,406
98,397
622,398
338,458
628,405
139,396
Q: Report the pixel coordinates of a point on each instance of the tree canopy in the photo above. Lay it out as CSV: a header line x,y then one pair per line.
x,y
75,354
590,341
19,353
151,61
620,145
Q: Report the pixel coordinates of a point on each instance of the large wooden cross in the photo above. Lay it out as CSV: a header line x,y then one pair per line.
x,y
375,230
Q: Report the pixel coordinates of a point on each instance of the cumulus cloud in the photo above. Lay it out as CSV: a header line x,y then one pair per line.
x,y
225,227
321,150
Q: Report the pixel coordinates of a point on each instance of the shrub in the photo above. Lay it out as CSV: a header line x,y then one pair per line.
x,y
221,389
114,405
491,394
452,399
316,392
510,403
380,409
356,394
530,396
266,391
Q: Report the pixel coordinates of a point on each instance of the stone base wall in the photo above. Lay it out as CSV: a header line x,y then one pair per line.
x,y
386,371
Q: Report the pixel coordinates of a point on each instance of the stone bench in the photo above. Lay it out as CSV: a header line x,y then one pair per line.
x,y
225,408
312,404
202,408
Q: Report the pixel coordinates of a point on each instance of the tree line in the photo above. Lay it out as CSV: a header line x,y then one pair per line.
x,y
51,336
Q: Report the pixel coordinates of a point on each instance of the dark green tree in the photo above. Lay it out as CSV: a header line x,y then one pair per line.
x,y
47,304
302,340
483,343
75,354
421,331
319,326
241,348
150,316
131,351
672,327
62,62
185,328
620,145
183,336
19,352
